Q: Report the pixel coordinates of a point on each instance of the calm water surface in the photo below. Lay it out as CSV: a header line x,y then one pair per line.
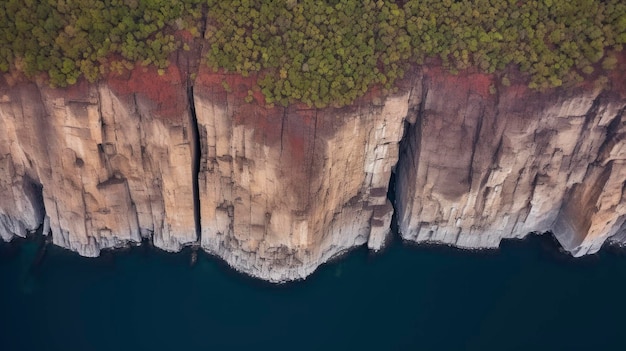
x,y
526,296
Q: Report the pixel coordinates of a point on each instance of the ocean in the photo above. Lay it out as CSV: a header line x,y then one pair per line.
x,y
525,296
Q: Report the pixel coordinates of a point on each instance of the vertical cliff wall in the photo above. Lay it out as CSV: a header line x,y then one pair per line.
x,y
277,191
481,164
21,140
111,162
284,189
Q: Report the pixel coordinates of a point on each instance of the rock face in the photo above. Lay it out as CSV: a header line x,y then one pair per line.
x,y
278,191
110,161
284,189
479,166
21,204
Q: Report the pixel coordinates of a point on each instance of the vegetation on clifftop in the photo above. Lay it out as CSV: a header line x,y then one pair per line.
x,y
71,38
320,52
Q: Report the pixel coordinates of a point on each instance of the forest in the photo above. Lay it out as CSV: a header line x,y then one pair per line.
x,y
320,52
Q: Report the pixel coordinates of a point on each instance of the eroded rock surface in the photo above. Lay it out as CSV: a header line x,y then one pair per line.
x,y
285,189
278,191
480,165
111,162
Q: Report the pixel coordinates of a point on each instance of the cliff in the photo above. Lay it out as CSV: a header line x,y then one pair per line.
x,y
111,162
479,166
278,191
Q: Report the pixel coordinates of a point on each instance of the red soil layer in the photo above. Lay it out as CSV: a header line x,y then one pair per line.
x,y
185,35
291,129
76,92
479,83
231,90
165,91
294,124
618,75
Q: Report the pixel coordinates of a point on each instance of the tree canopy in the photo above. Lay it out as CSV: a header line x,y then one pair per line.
x,y
320,52
71,38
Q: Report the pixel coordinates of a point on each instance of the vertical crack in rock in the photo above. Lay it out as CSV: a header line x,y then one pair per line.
x,y
195,159
408,163
391,132
391,196
42,136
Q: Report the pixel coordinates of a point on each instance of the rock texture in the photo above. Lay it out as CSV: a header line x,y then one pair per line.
x,y
480,165
278,191
285,189
111,162
21,137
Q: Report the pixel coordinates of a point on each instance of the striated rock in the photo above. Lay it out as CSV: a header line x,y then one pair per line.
x,y
277,191
478,166
283,190
21,205
110,161
152,150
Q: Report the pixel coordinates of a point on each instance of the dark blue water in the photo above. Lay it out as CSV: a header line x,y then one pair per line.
x,y
526,296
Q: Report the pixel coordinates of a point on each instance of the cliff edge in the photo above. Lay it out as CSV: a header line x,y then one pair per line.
x,y
277,191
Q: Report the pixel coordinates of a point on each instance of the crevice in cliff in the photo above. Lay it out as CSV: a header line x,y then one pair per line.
x,y
195,159
38,183
409,150
391,196
408,159
34,192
